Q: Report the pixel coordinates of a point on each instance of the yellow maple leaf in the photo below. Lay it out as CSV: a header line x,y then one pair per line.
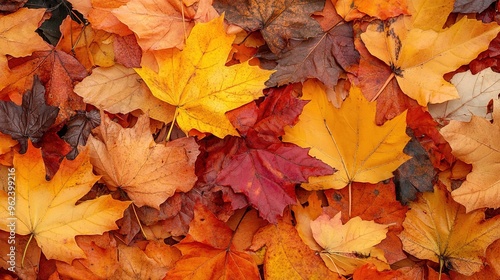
x,y
437,228
199,84
419,53
46,209
476,142
149,172
350,246
286,256
348,139
118,89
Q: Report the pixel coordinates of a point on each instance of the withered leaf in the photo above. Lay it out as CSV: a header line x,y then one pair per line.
x,y
78,130
278,20
415,175
322,57
30,120
471,6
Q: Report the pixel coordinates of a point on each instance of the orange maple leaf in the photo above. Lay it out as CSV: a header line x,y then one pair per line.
x,y
208,251
47,211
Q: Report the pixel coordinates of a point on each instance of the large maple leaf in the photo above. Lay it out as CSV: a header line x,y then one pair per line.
x,y
259,164
437,228
476,142
279,20
47,211
30,120
198,83
208,251
420,52
149,172
348,139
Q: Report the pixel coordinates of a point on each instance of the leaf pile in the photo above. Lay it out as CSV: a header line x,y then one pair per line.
x,y
305,139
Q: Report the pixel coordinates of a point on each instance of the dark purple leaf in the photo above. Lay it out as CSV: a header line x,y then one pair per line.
x,y
30,120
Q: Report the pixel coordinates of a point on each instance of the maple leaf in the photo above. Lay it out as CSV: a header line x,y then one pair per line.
x,y
286,256
373,202
437,228
148,264
100,262
158,25
18,38
47,211
196,81
30,120
349,246
258,164
208,251
99,14
89,46
317,57
415,175
420,52
279,20
130,159
372,79
476,143
78,128
475,92
348,139
118,89
58,71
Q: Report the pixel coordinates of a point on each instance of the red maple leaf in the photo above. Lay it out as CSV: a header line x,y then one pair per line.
x,y
258,164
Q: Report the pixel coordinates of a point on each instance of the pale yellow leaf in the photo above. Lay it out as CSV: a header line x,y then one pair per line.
x,y
118,89
477,143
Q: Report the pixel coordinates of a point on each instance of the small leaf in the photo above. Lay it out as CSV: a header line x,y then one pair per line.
x,y
30,120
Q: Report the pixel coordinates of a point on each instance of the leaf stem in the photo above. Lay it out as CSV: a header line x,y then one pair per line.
x,y
183,21
383,87
139,222
350,199
172,124
26,250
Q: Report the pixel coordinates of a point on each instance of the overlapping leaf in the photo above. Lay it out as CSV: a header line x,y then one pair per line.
x,y
208,252
46,209
259,165
348,139
349,246
420,52
279,20
196,81
118,89
475,92
149,172
30,120
437,228
323,57
476,143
